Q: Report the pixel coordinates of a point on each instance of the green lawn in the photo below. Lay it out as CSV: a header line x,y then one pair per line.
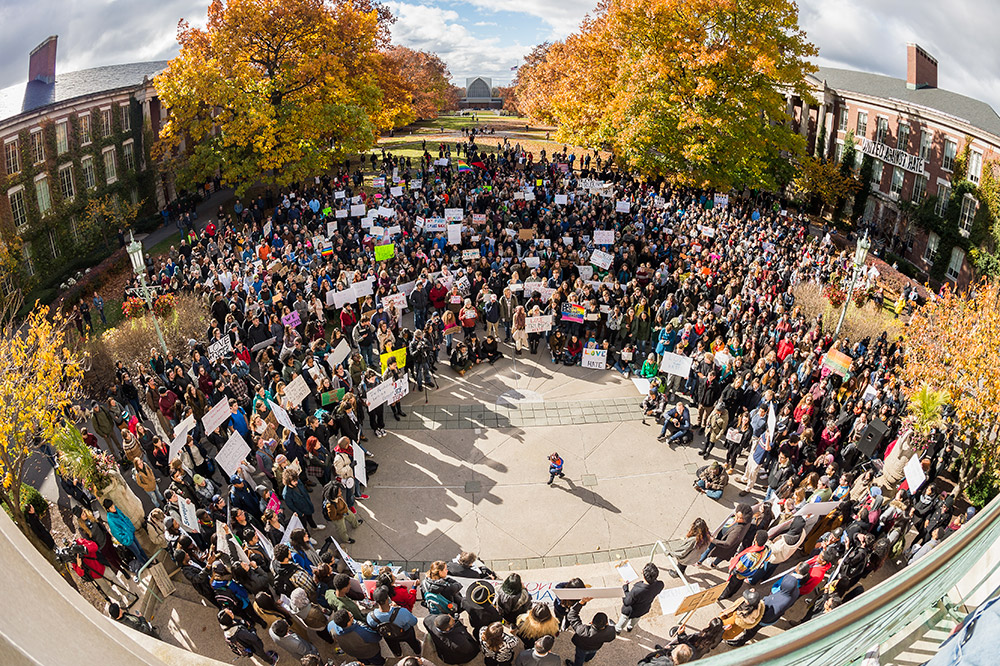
x,y
164,245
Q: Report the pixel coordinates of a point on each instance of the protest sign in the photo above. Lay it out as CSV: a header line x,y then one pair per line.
x,y
220,348
479,218
595,358
363,288
397,300
180,435
398,354
586,272
838,362
601,259
455,234
260,345
539,324
721,200
360,471
572,312
675,364
561,199
470,255
435,224
379,394
525,234
339,214
453,214
339,194
291,319
622,207
357,210
396,191
331,397
216,416
232,454
281,415
343,297
700,599
189,514
383,252
294,524
914,473
591,184
604,237
297,390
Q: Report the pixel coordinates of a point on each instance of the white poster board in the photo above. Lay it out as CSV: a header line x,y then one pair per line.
x,y
453,214
297,390
360,471
340,352
180,435
220,348
281,415
538,324
216,416
232,454
379,395
914,473
455,234
601,259
561,200
622,207
675,364
294,523
189,515
604,237
596,359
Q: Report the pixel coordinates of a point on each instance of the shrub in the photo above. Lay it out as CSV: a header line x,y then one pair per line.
x,y
31,496
982,490
868,321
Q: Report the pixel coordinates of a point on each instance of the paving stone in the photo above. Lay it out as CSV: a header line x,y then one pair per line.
x,y
473,486
601,556
588,480
567,560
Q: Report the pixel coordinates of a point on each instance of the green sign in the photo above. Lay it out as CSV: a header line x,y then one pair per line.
x,y
327,211
383,252
333,396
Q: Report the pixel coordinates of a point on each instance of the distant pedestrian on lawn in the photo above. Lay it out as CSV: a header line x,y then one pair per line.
x,y
555,467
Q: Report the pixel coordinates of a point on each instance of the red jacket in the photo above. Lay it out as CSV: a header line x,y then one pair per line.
x,y
94,567
437,295
347,318
167,402
817,572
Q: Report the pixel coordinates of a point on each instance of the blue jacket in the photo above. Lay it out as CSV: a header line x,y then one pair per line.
x,y
404,618
297,499
122,528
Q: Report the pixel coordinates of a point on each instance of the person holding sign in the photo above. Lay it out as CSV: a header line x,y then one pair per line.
x,y
639,598
393,374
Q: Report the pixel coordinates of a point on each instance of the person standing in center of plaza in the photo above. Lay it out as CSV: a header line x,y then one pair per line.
x,y
555,467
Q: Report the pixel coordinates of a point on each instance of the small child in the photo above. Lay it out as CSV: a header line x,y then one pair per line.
x,y
555,468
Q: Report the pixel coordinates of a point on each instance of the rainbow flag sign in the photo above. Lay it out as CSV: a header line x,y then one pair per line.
x,y
463,166
572,312
327,251
838,362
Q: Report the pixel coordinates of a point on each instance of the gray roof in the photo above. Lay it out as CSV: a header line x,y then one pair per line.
x,y
33,95
976,113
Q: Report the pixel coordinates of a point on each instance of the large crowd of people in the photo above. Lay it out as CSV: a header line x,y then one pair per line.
x,y
553,255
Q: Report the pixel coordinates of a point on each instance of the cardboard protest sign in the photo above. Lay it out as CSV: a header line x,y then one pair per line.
x,y
383,252
604,237
344,297
595,358
331,397
379,394
398,354
357,210
297,390
216,416
539,324
561,199
232,454
526,234
675,364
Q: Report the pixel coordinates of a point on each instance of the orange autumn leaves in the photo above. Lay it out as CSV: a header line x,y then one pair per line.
x,y
690,89
281,90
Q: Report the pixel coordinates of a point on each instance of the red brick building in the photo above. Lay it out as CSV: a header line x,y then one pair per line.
x,y
914,131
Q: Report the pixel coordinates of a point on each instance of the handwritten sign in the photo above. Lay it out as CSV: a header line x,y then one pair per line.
x,y
675,364
216,416
232,453
220,348
291,319
297,390
604,237
601,259
595,358
538,324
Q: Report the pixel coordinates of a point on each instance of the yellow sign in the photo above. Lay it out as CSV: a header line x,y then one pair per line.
x,y
399,355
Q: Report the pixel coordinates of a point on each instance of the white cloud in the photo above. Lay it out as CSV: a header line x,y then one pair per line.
x,y
428,28
562,16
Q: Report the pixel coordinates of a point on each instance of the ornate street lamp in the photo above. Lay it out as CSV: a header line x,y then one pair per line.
x,y
860,254
134,249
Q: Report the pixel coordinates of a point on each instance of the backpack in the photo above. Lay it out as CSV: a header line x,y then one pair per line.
x,y
438,605
388,630
335,509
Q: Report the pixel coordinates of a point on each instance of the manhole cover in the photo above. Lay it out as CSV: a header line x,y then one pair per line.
x,y
516,397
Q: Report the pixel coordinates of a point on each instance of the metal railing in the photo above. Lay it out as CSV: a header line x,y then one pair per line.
x,y
844,635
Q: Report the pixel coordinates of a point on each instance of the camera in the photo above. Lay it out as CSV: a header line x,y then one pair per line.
x,y
69,553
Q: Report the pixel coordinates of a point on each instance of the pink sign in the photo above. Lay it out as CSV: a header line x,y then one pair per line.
x,y
291,319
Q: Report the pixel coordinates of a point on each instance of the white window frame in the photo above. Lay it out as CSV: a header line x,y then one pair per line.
x,y
926,143
948,163
843,118
128,156
896,184
956,253
29,262
67,168
900,144
17,155
838,152
56,252
878,172
18,189
933,243
88,160
862,133
74,227
917,194
944,196
881,128
125,117
41,146
110,179
43,178
975,166
64,126
108,128
970,205
86,134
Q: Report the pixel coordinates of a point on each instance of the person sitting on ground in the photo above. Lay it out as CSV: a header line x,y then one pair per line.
x,y
678,421
488,350
460,360
711,480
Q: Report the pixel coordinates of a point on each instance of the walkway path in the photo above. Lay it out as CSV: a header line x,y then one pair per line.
x,y
522,415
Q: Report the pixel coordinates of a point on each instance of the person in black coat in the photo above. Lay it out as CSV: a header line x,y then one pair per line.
x,y
639,598
478,603
589,638
452,641
39,530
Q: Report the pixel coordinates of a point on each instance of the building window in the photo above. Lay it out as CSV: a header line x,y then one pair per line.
x,y
128,154
975,166
89,179
919,188
903,138
62,138
969,206
55,246
66,182
105,122
42,194
862,129
74,228
897,182
838,153
18,209
110,166
126,118
842,121
29,262
955,264
85,137
877,167
37,147
925,145
933,241
13,154
881,129
950,151
134,196
943,194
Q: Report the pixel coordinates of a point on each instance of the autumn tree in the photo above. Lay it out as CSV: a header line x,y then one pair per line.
x,y
823,181
951,345
276,90
426,80
694,90
39,381
105,214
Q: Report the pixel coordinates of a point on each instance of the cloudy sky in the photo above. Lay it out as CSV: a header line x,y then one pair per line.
x,y
476,38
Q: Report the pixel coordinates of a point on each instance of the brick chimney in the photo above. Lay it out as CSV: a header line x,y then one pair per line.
x,y
921,68
42,61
